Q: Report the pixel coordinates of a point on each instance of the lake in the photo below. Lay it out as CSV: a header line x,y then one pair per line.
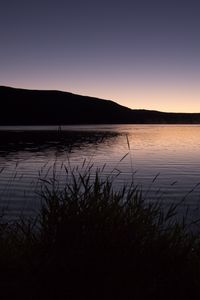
x,y
164,160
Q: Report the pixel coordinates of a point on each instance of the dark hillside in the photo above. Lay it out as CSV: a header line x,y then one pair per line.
x,y
29,107
20,106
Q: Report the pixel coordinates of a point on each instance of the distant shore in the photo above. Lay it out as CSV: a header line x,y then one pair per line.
x,y
40,107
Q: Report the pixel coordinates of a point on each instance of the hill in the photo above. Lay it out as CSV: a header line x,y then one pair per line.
x,y
38,107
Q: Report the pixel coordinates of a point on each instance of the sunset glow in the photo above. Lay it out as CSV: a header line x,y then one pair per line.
x,y
141,54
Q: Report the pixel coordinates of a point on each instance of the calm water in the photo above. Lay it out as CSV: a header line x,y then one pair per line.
x,y
163,159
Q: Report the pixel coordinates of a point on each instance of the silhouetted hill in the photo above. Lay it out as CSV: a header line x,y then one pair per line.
x,y
20,106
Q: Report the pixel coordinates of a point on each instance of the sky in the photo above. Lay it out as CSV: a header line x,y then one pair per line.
x,y
141,54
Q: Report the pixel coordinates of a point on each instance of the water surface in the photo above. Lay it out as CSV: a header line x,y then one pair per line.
x,y
163,159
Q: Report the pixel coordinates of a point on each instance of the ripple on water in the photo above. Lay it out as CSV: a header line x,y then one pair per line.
x,y
169,153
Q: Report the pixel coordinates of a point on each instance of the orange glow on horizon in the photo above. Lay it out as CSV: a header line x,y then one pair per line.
x,y
166,99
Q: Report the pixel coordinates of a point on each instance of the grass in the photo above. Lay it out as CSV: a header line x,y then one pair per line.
x,y
90,241
93,241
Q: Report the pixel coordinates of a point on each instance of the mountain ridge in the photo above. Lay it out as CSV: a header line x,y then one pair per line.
x,y
51,107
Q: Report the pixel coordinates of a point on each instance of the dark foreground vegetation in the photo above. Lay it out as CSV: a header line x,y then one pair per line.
x,y
34,107
91,242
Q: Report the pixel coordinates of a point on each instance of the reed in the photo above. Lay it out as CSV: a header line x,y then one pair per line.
x,y
90,241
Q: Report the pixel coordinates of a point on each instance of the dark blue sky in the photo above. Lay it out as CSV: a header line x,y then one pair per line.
x,y
142,54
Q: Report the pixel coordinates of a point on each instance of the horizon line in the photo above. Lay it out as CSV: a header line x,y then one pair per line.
x,y
96,97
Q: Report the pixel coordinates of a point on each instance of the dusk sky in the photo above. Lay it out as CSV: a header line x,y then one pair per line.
x,y
141,54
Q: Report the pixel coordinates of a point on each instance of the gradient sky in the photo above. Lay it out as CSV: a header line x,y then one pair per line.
x,y
141,54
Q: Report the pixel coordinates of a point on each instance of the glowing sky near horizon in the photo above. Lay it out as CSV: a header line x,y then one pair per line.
x,y
141,54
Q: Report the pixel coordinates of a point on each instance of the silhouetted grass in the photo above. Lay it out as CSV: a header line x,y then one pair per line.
x,y
93,242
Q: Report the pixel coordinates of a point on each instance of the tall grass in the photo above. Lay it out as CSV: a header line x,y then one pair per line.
x,y
91,241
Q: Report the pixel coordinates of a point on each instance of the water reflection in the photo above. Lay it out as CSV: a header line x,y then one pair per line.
x,y
169,154
34,141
